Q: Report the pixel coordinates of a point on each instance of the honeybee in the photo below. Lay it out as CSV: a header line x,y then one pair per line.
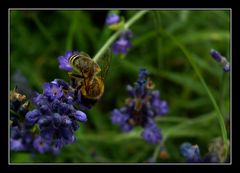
x,y
88,76
84,65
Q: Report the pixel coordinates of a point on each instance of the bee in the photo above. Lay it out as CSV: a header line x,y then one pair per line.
x,y
84,65
88,76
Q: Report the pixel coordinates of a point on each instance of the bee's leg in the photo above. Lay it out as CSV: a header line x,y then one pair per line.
x,y
72,80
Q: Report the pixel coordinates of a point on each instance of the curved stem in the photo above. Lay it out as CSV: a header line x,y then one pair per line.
x,y
107,44
214,103
131,21
221,90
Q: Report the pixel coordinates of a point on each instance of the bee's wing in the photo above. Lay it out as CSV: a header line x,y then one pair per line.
x,y
104,63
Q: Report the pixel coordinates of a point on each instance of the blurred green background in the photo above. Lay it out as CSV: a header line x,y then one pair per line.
x,y
39,37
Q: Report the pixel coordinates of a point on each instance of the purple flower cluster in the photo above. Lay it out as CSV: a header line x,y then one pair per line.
x,y
143,105
112,18
114,21
52,124
216,152
122,44
55,116
222,60
21,136
190,152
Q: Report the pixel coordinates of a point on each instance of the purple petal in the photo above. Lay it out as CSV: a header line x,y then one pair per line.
x,y
112,19
81,116
16,144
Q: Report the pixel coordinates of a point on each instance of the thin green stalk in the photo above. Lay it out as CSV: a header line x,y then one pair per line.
x,y
174,131
188,124
107,44
219,114
171,119
221,92
131,21
156,152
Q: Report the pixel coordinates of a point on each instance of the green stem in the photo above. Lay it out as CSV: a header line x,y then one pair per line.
x,y
171,119
219,114
156,152
188,124
175,129
107,44
132,20
221,92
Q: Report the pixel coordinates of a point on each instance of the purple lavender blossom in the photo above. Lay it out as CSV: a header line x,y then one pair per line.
x,y
21,137
112,18
226,67
152,133
122,44
190,152
53,122
114,21
58,118
216,152
16,144
121,117
20,133
159,106
53,91
221,59
143,105
216,55
81,116
63,60
32,116
41,145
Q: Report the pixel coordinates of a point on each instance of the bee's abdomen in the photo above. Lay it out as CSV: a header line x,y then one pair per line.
x,y
72,60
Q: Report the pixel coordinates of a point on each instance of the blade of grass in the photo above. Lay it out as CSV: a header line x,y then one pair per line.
x,y
201,35
212,99
178,131
184,80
